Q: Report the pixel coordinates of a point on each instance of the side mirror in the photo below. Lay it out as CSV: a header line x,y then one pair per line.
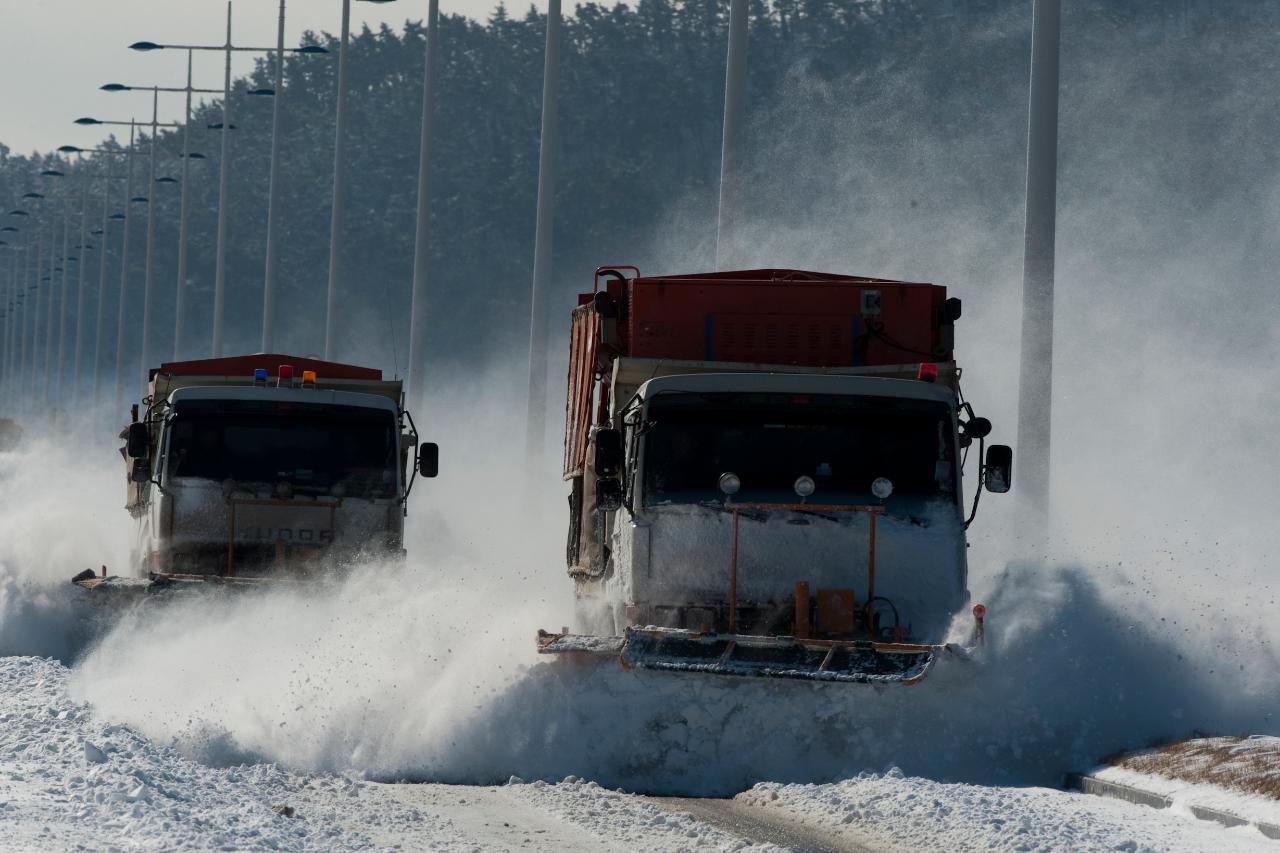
x,y
608,495
608,452
137,442
141,471
429,459
998,471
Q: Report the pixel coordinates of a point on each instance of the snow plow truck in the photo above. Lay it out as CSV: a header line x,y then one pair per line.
x,y
765,472
263,467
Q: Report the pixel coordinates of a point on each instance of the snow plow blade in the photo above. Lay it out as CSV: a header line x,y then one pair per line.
x,y
114,588
675,650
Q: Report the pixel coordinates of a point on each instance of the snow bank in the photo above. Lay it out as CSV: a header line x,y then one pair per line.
x,y
898,813
398,676
60,512
69,780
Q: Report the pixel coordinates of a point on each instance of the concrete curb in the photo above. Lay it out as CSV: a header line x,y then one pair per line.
x,y
1101,788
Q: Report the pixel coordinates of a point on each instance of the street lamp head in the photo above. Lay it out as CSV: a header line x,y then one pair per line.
x,y
146,45
9,228
32,195
70,149
139,198
116,216
18,213
166,180
87,120
263,91
311,48
97,232
218,126
52,173
196,155
115,87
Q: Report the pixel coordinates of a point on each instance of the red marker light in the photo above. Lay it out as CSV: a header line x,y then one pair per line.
x,y
927,372
285,374
979,611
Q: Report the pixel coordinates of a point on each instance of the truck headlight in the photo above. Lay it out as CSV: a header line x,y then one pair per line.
x,y
805,486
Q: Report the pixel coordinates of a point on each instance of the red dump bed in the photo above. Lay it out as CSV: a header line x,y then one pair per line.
x,y
244,365
780,317
767,316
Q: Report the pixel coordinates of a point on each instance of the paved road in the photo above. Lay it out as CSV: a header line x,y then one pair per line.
x,y
755,825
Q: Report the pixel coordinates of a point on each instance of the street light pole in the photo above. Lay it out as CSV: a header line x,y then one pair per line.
x,y
337,217
148,289
542,246
271,279
98,329
50,392
224,197
729,220
6,314
124,273
183,218
80,295
422,241
39,294
31,320
1035,388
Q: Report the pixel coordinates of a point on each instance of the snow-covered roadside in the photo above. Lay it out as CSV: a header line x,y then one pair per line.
x,y
1223,774
69,780
903,814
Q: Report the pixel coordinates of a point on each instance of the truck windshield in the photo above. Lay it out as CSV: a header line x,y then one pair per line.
x,y
843,443
314,448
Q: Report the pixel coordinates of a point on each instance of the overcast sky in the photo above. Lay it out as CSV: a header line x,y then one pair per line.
x,y
54,54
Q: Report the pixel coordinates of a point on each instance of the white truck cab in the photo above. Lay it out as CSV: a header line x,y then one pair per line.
x,y
269,472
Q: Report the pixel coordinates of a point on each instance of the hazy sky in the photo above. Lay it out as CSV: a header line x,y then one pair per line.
x,y
54,54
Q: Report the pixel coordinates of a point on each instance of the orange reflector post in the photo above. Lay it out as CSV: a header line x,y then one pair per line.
x,y
308,379
979,613
801,629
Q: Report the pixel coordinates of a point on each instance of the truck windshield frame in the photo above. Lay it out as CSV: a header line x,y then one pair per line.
x,y
769,439
318,449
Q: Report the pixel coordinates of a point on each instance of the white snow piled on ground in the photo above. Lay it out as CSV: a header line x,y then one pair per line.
x,y
898,813
396,674
70,780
